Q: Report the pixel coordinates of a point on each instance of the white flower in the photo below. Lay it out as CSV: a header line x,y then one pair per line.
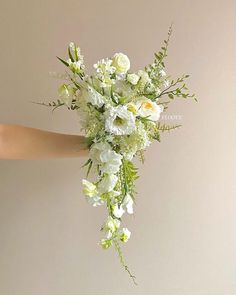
x,y
104,69
128,202
111,226
125,235
121,62
97,149
132,78
90,191
111,161
74,48
144,77
66,94
148,108
118,211
107,183
162,73
92,96
122,88
104,66
101,153
119,121
106,243
75,66
166,83
95,201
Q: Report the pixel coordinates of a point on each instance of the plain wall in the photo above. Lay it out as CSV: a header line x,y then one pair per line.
x,y
183,231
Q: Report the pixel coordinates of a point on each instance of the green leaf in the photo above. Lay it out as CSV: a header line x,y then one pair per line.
x,y
70,55
86,163
64,62
89,168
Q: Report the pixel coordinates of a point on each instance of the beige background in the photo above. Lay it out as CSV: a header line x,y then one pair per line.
x,y
183,232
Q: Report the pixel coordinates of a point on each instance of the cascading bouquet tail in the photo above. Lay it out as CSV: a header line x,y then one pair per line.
x,y
119,112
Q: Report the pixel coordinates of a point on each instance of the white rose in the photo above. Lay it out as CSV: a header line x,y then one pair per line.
x,y
66,94
132,78
148,108
107,183
121,62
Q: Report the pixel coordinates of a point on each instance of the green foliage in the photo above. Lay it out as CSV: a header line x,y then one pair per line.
x,y
122,261
179,91
89,165
162,54
129,175
53,104
63,61
165,127
140,154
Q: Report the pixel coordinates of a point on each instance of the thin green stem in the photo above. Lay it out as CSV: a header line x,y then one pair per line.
x,y
118,249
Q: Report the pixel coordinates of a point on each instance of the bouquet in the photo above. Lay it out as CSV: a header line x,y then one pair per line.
x,y
119,112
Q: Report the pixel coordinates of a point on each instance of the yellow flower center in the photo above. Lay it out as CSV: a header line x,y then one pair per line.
x,y
147,105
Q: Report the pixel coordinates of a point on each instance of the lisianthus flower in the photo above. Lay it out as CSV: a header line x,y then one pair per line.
x,y
148,108
119,121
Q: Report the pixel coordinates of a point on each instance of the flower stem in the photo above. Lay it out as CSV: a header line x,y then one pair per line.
x,y
118,249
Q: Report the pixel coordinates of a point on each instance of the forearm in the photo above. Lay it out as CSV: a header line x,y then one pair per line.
x,y
19,142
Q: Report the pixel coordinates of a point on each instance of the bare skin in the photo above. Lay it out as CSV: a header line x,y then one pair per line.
x,y
20,142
